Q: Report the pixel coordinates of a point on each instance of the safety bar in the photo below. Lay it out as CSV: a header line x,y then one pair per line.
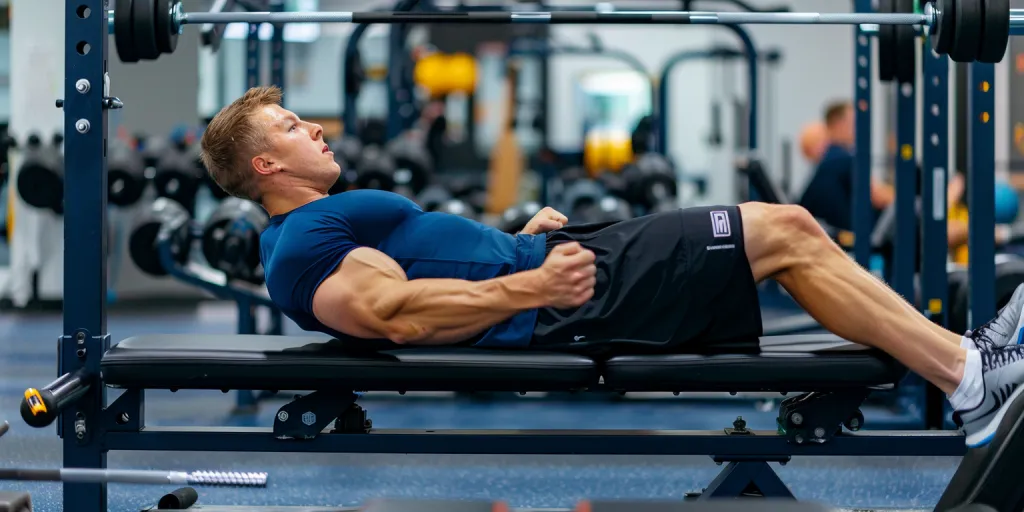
x,y
40,407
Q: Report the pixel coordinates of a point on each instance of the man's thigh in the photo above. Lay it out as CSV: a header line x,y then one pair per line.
x,y
664,280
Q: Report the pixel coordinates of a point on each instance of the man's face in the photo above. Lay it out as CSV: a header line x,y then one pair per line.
x,y
296,147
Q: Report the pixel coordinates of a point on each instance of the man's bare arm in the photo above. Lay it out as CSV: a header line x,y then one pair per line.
x,y
369,296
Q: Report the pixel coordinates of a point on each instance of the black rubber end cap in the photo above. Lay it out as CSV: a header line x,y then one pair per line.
x,y
179,499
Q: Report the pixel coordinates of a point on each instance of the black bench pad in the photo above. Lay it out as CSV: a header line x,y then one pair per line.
x,y
306,363
805,362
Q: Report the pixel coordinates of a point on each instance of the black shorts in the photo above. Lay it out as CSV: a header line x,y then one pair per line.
x,y
677,281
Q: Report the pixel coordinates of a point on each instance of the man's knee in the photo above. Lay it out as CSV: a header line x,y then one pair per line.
x,y
797,221
781,236
788,222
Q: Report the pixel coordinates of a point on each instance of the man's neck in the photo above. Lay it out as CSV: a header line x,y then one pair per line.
x,y
281,204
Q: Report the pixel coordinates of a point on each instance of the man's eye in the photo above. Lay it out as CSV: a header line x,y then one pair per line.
x,y
294,126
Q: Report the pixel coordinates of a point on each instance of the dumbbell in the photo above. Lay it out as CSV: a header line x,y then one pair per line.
x,y
433,197
373,132
650,180
414,165
375,170
165,218
126,174
571,175
606,209
515,218
231,239
176,176
41,175
152,149
614,183
347,151
471,190
458,207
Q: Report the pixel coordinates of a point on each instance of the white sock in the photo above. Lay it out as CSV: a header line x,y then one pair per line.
x,y
967,343
971,390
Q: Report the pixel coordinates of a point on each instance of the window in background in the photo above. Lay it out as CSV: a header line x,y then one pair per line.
x,y
293,32
613,100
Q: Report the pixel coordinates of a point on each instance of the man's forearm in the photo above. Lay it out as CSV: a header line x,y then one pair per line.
x,y
444,311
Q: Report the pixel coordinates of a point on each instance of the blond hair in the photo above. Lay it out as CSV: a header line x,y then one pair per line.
x,y
233,137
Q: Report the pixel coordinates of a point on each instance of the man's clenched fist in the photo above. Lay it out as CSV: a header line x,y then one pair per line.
x,y
548,219
568,276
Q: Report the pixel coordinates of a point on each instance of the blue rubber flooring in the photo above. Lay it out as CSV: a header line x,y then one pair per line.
x,y
28,359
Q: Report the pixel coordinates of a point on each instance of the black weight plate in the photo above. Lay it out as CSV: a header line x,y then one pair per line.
x,y
886,43
995,35
969,19
124,35
144,25
945,29
166,35
906,46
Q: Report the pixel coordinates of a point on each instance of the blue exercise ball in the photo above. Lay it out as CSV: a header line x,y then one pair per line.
x,y
1007,203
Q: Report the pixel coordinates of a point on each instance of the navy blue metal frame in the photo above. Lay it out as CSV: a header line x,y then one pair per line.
x,y
981,154
277,69
934,280
252,56
863,217
934,177
349,116
85,338
904,261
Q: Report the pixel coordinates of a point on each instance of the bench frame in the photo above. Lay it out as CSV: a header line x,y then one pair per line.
x,y
334,422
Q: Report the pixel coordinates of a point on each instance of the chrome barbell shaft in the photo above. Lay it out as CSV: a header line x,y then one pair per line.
x,y
132,476
868,22
638,17
809,18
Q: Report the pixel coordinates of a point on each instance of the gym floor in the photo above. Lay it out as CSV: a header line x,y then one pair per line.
x,y
28,359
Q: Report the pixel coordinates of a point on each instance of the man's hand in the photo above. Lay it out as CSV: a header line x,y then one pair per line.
x,y
548,219
568,276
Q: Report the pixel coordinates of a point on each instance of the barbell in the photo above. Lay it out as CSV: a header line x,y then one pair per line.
x,y
965,30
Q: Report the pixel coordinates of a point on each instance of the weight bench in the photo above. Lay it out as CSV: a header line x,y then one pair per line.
x,y
832,377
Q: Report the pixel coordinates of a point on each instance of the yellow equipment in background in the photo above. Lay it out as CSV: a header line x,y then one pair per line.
x,y
606,151
442,74
958,211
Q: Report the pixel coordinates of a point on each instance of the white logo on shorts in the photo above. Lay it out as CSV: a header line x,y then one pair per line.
x,y
720,224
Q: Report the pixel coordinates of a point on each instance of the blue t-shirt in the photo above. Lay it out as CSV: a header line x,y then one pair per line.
x,y
299,249
829,195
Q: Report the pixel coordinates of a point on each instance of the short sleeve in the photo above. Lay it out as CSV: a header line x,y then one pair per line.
x,y
308,250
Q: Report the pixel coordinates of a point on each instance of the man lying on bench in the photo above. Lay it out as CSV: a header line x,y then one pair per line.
x,y
371,264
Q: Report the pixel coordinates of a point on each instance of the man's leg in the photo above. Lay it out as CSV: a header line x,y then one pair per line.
x,y
981,374
785,243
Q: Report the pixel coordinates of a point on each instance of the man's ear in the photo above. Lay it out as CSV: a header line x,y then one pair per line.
x,y
264,165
